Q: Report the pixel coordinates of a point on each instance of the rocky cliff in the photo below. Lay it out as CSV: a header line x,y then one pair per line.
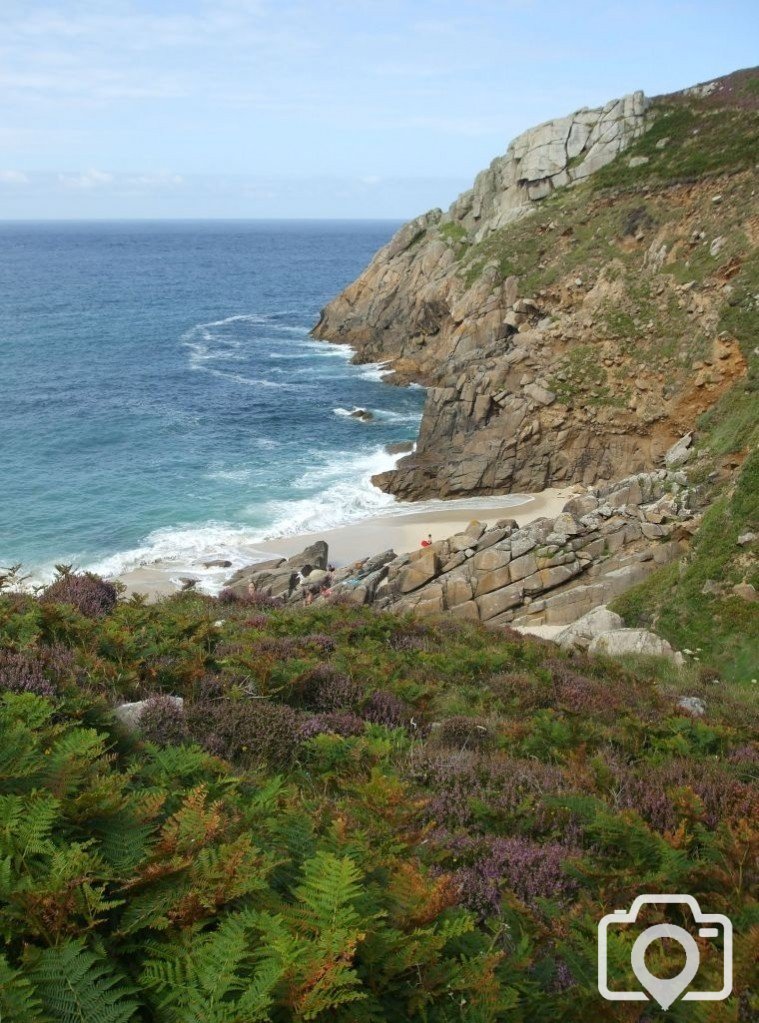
x,y
570,314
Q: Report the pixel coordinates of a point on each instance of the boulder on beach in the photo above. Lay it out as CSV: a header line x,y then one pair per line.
x,y
278,577
314,555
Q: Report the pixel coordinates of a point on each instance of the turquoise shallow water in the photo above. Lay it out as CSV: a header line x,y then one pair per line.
x,y
161,397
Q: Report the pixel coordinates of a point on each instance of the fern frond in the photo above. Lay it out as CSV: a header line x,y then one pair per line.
x,y
18,1002
330,886
76,986
223,976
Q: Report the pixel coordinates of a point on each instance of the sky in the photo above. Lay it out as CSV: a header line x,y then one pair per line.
x,y
315,108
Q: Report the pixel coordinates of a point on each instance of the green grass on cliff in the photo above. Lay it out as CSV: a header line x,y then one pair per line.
x,y
684,143
691,602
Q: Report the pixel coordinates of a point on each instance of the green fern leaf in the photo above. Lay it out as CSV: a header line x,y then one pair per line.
x,y
76,986
18,1002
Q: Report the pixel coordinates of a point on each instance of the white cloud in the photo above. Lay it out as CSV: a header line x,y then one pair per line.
x,y
161,180
89,179
13,177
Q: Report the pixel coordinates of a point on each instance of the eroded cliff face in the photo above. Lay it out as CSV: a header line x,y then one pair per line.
x,y
565,313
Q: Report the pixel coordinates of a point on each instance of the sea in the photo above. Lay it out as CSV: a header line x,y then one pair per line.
x,y
162,400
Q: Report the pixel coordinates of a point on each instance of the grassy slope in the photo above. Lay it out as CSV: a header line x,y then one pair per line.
x,y
356,817
674,600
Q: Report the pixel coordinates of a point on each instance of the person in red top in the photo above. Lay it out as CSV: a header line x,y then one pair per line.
x,y
428,541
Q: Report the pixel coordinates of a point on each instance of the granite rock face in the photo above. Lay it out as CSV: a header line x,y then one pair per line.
x,y
530,386
546,158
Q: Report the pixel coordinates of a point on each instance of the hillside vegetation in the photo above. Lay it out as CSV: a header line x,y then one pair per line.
x,y
352,817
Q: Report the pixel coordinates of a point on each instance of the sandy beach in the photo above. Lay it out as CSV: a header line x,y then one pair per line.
x,y
399,530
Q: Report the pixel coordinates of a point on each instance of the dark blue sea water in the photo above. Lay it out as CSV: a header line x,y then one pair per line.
x,y
161,397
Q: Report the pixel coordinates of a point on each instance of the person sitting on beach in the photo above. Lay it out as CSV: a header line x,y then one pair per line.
x,y
428,541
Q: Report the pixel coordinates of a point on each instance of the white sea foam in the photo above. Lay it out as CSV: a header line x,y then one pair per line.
x,y
388,416
230,475
331,351
375,370
381,414
240,378
350,413
208,342
340,493
344,494
183,550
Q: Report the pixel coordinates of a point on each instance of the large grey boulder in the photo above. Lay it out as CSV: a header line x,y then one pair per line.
x,y
315,555
278,577
580,634
631,641
243,577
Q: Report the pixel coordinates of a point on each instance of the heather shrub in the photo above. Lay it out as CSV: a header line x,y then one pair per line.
x,y
246,731
319,642
413,636
385,708
256,621
472,790
163,721
580,694
745,762
656,792
288,647
520,689
24,673
339,722
92,596
461,732
532,870
325,688
278,648
208,687
60,664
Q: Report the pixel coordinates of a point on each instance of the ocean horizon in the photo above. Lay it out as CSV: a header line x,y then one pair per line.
x,y
164,400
